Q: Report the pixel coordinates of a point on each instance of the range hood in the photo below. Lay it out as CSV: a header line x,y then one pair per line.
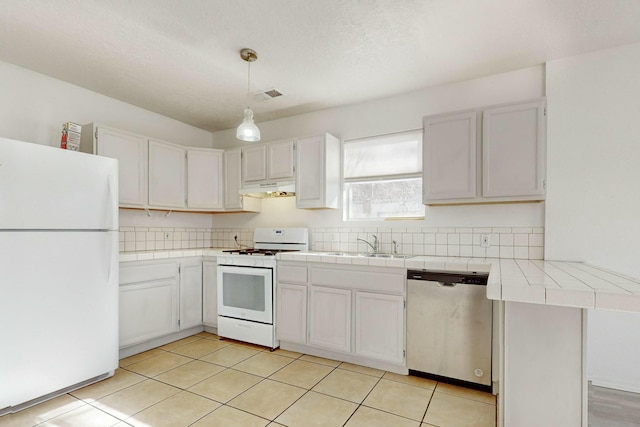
x,y
274,189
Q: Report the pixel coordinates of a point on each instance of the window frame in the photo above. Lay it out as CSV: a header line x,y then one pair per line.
x,y
379,178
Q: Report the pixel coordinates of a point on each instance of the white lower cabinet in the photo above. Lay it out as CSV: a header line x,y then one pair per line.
x,y
379,326
210,293
356,314
330,318
148,301
291,313
190,294
159,298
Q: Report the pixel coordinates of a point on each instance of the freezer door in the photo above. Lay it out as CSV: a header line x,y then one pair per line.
x,y
58,311
44,188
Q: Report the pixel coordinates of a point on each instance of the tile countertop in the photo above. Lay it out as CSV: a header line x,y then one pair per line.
x,y
559,283
173,253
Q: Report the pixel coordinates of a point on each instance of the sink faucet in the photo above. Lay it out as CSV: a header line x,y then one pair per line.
x,y
373,246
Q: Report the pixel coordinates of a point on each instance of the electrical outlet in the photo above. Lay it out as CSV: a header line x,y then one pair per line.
x,y
484,241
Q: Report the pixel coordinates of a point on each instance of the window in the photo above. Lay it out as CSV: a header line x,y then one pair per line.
x,y
383,177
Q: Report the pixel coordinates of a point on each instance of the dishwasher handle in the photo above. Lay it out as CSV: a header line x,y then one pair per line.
x,y
447,284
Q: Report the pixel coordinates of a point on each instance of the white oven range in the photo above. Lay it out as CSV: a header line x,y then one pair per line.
x,y
246,285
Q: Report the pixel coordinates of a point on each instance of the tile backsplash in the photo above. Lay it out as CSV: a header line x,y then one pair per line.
x,y
504,242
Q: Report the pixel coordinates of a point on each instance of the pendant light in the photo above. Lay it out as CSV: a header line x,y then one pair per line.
x,y
248,131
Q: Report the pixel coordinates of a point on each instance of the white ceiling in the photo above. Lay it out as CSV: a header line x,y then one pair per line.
x,y
181,58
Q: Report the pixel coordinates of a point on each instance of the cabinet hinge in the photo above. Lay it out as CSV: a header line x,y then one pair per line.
x,y
544,184
179,269
96,134
545,111
178,323
404,304
404,354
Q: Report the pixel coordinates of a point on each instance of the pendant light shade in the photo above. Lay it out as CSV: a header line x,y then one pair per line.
x,y
248,131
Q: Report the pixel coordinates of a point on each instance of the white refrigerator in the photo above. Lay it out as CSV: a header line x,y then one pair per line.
x,y
58,271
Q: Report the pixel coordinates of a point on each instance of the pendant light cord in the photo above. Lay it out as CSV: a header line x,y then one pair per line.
x,y
249,78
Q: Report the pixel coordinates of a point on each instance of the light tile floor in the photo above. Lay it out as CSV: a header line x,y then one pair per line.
x,y
203,381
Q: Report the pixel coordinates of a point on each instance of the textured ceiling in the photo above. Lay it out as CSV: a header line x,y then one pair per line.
x,y
181,58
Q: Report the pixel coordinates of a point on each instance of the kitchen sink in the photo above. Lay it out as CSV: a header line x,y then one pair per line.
x,y
397,256
370,255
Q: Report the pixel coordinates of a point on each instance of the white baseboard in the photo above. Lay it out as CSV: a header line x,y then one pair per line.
x,y
615,384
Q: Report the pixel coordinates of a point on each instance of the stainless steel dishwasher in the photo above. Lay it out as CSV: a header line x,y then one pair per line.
x,y
449,326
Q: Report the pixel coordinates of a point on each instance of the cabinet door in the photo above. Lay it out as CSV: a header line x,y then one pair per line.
x,y
190,295
166,175
254,163
209,293
204,179
310,182
379,329
280,160
513,150
449,162
131,152
330,318
148,310
291,313
232,179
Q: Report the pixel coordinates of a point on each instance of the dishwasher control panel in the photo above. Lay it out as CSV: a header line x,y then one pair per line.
x,y
450,277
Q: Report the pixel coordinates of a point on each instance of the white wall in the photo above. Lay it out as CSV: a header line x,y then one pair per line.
x,y
396,114
593,196
34,106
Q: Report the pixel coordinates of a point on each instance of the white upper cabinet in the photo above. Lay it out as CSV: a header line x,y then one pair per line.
x,y
204,178
497,158
233,201
131,152
268,162
280,160
232,179
166,175
318,172
449,156
513,150
254,163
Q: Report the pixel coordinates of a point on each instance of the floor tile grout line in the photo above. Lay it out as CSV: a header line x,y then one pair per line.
x,y
45,421
307,390
433,393
145,408
167,398
365,398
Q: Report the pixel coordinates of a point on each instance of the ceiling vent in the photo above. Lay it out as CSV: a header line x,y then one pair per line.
x,y
265,95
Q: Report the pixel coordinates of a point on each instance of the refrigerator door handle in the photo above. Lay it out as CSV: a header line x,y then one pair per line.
x,y
109,247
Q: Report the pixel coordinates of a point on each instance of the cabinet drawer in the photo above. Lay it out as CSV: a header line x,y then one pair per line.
x,y
353,279
147,272
292,274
